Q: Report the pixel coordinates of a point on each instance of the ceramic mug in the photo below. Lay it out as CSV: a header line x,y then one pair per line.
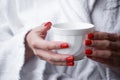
x,y
74,34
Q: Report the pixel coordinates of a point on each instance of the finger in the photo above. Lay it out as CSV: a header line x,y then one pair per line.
x,y
49,45
61,63
57,59
50,56
101,53
57,63
103,36
42,30
103,44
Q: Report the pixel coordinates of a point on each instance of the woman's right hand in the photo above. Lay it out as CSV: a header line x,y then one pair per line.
x,y
35,40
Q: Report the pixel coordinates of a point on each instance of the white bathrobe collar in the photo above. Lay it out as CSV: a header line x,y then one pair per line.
x,y
77,10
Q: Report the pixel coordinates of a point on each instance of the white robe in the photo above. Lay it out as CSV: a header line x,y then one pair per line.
x,y
17,17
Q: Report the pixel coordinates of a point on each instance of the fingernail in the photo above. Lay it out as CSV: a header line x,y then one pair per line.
x,y
70,63
88,52
64,45
90,36
70,59
48,24
88,42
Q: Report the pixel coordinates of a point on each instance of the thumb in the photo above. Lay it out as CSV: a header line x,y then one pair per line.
x,y
44,27
42,30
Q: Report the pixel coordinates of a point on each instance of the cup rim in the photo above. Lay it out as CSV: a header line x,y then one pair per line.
x,y
58,25
64,29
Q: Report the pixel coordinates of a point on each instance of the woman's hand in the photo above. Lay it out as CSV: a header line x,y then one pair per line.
x,y
35,40
104,48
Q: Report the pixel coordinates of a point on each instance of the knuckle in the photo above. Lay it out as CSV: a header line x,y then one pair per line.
x,y
61,58
99,53
45,47
49,59
112,36
109,36
49,47
41,33
94,43
109,55
52,46
108,45
55,46
95,53
34,44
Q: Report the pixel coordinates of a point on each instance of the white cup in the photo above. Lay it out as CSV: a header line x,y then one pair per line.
x,y
74,34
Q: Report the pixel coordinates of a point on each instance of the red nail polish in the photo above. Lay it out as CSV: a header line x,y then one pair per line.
x,y
70,59
90,36
64,45
48,24
70,63
88,52
88,42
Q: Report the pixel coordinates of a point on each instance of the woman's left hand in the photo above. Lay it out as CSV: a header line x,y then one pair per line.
x,y
104,48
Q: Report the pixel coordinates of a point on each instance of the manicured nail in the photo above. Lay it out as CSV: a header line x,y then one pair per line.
x,y
64,45
90,36
48,24
88,42
70,59
88,52
70,63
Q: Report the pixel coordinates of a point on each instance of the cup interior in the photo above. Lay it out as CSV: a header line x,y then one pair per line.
x,y
72,28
